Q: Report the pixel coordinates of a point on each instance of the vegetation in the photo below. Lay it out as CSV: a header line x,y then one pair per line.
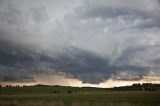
x,y
139,87
43,95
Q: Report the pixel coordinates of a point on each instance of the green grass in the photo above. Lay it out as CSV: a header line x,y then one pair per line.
x,y
36,96
46,90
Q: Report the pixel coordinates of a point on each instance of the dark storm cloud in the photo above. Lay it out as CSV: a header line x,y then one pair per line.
x,y
12,74
19,64
93,42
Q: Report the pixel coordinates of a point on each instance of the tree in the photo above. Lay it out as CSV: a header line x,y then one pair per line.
x,y
69,92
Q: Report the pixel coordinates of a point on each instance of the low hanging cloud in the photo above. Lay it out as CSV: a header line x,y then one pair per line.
x,y
91,41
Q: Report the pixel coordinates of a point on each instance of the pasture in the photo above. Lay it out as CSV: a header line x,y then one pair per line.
x,y
74,96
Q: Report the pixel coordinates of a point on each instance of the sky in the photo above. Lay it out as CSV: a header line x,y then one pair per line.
x,y
97,43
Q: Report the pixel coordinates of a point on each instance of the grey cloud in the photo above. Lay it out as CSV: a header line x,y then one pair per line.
x,y
39,14
124,9
21,64
95,41
12,74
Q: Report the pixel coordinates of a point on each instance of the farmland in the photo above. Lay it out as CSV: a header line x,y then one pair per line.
x,y
75,96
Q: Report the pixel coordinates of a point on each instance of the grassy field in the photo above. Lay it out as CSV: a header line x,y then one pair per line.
x,y
73,96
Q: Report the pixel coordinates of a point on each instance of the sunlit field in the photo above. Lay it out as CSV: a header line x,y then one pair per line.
x,y
72,96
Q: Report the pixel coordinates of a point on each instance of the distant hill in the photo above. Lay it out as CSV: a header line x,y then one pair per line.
x,y
134,87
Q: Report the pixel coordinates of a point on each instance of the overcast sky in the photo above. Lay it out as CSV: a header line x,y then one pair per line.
x,y
78,42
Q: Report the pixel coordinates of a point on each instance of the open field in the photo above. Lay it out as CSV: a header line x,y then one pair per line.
x,y
73,96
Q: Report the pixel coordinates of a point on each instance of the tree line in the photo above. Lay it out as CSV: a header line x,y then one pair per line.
x,y
140,87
